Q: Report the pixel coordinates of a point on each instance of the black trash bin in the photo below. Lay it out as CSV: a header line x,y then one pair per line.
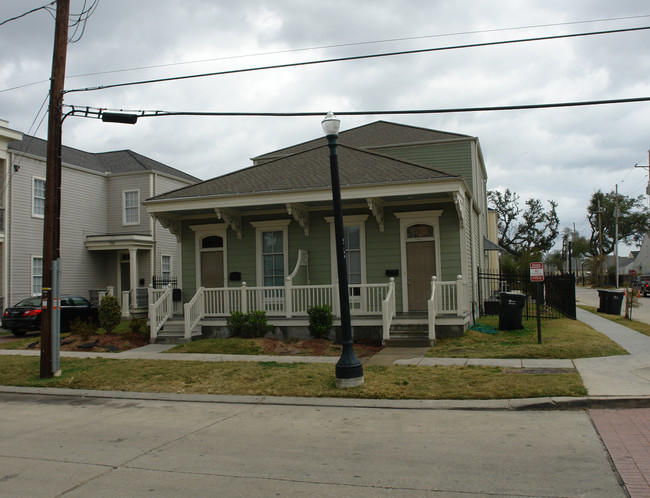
x,y
511,310
610,301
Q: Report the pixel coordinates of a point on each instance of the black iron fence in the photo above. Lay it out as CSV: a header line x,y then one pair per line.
x,y
558,295
160,282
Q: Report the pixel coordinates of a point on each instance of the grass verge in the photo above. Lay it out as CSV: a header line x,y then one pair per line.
x,y
561,338
233,345
641,327
290,379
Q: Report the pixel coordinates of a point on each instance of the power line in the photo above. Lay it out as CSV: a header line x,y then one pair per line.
x,y
97,112
353,44
357,57
47,7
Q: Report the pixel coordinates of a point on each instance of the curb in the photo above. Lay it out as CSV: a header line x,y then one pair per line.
x,y
526,404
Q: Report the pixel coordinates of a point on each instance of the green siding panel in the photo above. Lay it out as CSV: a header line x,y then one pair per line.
x,y
454,157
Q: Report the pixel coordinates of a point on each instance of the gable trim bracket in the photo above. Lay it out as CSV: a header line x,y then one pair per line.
x,y
301,215
459,201
377,208
232,219
171,224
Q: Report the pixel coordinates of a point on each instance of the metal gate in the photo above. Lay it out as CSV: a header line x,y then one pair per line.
x,y
558,294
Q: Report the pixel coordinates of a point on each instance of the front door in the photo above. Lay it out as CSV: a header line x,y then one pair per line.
x,y
420,267
212,269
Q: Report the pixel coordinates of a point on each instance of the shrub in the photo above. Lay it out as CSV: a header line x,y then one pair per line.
x,y
139,326
253,324
320,321
84,329
110,313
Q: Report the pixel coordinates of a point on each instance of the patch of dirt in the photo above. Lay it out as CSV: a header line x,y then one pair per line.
x,y
97,343
314,347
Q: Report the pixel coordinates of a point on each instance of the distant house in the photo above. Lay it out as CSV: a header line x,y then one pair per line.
x,y
640,263
107,238
262,238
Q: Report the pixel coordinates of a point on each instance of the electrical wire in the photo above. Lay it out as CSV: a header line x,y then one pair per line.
x,y
96,112
80,20
357,57
353,44
47,7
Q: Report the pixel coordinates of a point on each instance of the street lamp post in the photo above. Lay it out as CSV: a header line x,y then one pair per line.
x,y
349,371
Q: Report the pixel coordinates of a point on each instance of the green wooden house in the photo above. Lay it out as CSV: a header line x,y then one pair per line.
x,y
261,238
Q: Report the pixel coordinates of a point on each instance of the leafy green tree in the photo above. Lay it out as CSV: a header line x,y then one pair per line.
x,y
633,221
531,229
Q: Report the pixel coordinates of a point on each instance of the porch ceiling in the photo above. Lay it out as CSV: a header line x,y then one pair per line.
x,y
116,242
244,207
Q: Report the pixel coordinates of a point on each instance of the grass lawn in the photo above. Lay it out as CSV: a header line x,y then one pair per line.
x,y
290,379
561,338
233,345
641,327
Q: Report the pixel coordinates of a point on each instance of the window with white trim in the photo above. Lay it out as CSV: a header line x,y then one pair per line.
x,y
37,275
131,203
166,268
352,236
273,258
272,248
38,197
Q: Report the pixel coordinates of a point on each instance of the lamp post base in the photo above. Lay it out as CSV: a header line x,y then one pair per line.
x,y
347,383
349,370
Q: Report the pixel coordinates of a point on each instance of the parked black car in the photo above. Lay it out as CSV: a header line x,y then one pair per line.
x,y
642,284
26,315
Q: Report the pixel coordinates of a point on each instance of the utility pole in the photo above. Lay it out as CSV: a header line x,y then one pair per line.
x,y
51,222
616,235
600,243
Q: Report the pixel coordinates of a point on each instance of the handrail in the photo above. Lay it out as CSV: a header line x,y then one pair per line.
x,y
388,309
431,311
160,312
194,311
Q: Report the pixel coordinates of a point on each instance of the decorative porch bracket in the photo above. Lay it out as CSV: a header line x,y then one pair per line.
x,y
171,224
232,219
301,215
377,208
459,201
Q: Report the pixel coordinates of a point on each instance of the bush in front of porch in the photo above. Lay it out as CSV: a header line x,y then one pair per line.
x,y
320,321
248,325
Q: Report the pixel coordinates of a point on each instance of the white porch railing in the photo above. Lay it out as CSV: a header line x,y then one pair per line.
x,y
451,297
388,309
431,311
287,301
447,298
160,310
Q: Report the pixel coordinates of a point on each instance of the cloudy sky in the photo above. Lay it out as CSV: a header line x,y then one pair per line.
x,y
560,154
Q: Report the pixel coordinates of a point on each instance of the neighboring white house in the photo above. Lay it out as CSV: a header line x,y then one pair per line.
x,y
107,237
641,262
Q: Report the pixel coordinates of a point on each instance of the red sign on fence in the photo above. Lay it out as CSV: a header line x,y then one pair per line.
x,y
536,272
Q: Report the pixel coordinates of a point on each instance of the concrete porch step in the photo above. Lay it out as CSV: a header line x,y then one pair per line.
x,y
409,336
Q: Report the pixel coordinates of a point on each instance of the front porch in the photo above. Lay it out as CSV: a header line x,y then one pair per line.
x,y
372,308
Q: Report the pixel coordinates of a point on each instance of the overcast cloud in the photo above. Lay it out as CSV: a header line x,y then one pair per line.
x,y
559,154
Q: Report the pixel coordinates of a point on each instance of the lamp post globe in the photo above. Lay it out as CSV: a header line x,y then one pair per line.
x,y
349,371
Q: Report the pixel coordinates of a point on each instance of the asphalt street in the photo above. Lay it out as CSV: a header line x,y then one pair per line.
x,y
74,446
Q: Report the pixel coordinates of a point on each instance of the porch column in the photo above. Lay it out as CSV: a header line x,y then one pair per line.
x,y
133,269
